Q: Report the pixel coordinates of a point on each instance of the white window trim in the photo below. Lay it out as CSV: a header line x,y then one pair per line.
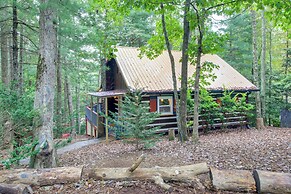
x,y
170,98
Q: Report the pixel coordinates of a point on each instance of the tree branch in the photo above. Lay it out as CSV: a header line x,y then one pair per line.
x,y
7,19
33,28
219,5
8,6
198,19
30,40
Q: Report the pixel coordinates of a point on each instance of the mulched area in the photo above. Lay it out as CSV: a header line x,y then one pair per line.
x,y
248,149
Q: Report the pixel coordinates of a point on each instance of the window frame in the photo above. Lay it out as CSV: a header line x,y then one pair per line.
x,y
170,98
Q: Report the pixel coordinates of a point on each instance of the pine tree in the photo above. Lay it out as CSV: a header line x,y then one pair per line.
x,y
134,118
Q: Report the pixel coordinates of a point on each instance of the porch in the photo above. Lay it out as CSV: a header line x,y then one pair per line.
x,y
101,104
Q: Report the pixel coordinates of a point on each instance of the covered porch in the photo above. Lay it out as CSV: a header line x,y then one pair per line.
x,y
101,104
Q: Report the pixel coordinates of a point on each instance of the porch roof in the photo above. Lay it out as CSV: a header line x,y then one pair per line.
x,y
109,93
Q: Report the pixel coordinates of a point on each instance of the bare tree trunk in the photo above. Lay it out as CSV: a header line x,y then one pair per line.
x,y
200,20
59,86
270,75
174,78
287,66
184,75
78,119
78,103
45,86
65,113
21,50
15,70
263,66
4,54
70,107
259,122
195,135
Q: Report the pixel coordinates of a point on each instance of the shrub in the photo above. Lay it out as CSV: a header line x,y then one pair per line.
x,y
133,121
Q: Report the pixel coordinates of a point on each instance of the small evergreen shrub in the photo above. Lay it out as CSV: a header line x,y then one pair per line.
x,y
133,120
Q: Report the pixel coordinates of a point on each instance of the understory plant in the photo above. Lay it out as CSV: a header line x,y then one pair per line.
x,y
208,109
228,105
16,123
132,123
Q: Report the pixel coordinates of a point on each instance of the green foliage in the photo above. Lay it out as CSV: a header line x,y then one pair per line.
x,y
18,110
133,121
208,108
211,111
21,152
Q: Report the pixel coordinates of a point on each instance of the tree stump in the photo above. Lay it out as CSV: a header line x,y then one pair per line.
x,y
232,180
272,182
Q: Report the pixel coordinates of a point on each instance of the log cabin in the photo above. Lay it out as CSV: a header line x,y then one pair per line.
x,y
128,71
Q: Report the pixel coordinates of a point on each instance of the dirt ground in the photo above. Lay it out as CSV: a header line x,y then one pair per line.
x,y
248,149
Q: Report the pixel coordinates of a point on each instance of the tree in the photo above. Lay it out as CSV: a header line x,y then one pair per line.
x,y
259,121
45,83
134,119
263,66
15,68
173,69
184,74
4,53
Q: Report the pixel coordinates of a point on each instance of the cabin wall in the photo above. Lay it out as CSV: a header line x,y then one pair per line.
x,y
114,78
166,122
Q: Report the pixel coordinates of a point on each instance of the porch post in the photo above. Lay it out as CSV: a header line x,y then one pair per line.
x,y
119,106
97,118
106,119
91,122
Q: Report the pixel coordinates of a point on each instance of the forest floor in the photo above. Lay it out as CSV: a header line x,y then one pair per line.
x,y
248,149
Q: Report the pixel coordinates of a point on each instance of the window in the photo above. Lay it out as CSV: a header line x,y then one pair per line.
x,y
165,105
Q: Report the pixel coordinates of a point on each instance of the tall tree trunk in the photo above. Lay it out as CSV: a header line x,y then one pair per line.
x,y
45,86
78,120
4,54
259,122
59,86
174,78
15,70
21,50
70,107
65,112
184,74
270,75
287,66
200,20
263,66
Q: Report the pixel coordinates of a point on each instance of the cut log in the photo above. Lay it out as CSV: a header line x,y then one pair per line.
x,y
182,173
272,182
232,180
15,189
41,177
137,163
